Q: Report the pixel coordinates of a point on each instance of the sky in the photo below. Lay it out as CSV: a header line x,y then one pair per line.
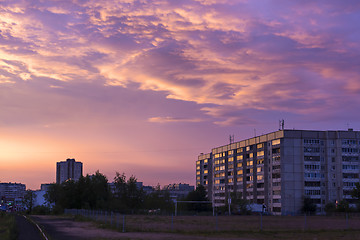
x,y
144,86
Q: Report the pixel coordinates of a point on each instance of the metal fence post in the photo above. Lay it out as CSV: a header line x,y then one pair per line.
x,y
123,230
216,222
172,222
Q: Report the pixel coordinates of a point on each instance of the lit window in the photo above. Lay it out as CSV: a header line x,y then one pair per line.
x,y
260,177
261,153
275,142
240,157
240,172
205,161
205,171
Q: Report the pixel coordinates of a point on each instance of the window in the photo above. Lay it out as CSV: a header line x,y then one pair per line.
x,y
312,167
222,168
260,145
350,175
230,152
239,165
312,192
239,150
251,155
249,163
230,180
261,153
230,166
312,184
240,157
206,171
248,148
311,141
312,158
276,167
239,179
348,142
259,169
230,160
311,149
217,181
197,172
197,167
205,161
350,167
197,162
349,150
275,142
240,172
260,177
260,161
276,175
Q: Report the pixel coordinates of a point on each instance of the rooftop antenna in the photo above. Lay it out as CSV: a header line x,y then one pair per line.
x,y
255,132
281,124
231,138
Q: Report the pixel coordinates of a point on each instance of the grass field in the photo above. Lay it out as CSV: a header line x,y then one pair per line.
x,y
241,227
7,227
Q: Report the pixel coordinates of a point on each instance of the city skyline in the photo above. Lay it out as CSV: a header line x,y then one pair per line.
x,y
143,87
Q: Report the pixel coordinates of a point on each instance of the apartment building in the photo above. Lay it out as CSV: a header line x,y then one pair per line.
x,y
69,169
281,168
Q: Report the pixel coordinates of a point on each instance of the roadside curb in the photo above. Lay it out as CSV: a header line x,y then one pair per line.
x,y
33,222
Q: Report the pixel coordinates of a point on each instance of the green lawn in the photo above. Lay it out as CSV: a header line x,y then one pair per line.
x,y
7,227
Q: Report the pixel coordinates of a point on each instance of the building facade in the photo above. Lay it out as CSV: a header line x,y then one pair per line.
x,y
69,169
11,196
282,168
178,190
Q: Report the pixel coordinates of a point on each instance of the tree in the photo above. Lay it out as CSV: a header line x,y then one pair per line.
x,y
330,207
308,207
239,204
355,193
29,199
198,195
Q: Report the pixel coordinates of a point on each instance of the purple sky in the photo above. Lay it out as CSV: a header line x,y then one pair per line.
x,y
143,87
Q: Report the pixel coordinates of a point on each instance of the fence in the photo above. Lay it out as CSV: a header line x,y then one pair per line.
x,y
188,224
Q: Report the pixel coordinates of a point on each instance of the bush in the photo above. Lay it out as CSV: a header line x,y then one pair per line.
x,y
40,210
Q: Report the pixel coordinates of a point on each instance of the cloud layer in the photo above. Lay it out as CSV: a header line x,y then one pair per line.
x,y
86,64
296,56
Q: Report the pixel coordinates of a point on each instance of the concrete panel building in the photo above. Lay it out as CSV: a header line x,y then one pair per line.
x,y
69,169
281,168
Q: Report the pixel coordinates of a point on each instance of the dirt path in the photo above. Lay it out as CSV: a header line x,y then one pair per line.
x,y
60,228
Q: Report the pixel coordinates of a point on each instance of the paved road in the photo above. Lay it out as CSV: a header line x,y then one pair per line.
x,y
57,228
27,230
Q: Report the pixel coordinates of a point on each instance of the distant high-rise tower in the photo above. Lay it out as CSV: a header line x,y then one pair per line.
x,y
68,170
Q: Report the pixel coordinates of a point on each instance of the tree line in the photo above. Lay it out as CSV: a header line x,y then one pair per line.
x,y
94,192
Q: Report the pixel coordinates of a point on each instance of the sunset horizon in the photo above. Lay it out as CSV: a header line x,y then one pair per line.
x,y
144,87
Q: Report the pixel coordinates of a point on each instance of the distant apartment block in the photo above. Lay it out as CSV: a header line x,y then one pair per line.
x,y
11,191
178,190
11,196
282,168
69,169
